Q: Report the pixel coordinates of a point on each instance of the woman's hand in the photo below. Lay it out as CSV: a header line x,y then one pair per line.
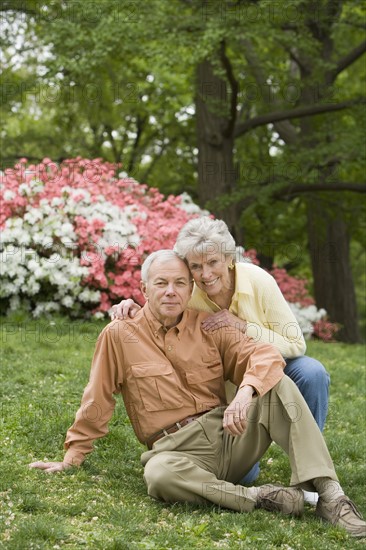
x,y
236,415
224,318
125,309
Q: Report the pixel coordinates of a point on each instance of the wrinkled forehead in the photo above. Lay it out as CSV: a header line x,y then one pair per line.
x,y
206,250
172,267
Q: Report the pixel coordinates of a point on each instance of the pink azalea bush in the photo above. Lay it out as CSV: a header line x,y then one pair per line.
x,y
293,288
313,321
75,234
73,237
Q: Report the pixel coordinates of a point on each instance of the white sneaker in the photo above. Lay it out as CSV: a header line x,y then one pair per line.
x,y
311,498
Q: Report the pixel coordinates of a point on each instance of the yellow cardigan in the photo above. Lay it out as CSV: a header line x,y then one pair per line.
x,y
258,300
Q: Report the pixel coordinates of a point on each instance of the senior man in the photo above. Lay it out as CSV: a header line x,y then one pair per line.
x,y
171,375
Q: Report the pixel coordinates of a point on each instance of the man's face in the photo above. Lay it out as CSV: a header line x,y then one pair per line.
x,y
168,290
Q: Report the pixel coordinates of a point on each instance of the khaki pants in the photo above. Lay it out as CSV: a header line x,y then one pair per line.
x,y
201,463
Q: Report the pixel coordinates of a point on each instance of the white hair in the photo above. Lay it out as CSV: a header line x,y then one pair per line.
x,y
205,235
164,255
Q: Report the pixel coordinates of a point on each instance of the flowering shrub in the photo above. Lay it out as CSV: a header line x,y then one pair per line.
x,y
74,235
293,288
313,321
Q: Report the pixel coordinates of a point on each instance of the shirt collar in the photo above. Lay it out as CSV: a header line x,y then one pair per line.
x,y
156,326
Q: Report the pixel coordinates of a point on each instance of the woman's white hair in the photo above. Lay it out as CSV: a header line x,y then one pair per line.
x,y
164,255
205,236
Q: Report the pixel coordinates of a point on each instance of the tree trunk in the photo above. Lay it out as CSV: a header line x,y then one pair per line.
x,y
333,282
329,240
216,169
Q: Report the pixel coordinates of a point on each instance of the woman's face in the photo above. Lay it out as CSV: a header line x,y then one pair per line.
x,y
210,271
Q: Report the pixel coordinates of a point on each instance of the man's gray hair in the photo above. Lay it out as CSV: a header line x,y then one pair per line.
x,y
165,255
205,236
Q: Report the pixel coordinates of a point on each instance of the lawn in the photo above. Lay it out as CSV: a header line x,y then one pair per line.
x,y
103,504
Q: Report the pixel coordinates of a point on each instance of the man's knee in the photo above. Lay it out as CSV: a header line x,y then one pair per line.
x,y
159,475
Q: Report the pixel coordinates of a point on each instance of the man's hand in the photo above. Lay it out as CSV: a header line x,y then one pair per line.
x,y
236,415
125,309
50,467
224,318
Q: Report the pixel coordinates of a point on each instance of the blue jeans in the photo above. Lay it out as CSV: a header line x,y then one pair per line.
x,y
313,381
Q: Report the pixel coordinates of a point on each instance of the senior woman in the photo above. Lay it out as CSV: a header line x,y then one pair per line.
x,y
245,297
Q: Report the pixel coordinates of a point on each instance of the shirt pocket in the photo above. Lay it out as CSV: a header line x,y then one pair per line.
x,y
206,382
205,373
158,385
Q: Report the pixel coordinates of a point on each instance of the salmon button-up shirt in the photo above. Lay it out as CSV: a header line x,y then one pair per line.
x,y
165,376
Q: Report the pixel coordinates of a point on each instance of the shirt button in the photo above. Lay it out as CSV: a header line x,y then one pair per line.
x,y
170,348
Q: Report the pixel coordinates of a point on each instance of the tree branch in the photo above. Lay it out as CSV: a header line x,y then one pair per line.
x,y
6,6
284,128
145,176
140,125
299,112
347,60
294,190
234,88
116,151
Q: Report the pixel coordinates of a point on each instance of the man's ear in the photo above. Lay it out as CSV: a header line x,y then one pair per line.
x,y
143,290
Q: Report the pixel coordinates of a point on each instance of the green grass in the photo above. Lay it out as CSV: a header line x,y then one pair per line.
x,y
104,504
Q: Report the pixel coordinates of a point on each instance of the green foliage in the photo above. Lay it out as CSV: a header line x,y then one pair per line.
x,y
104,504
103,83
103,90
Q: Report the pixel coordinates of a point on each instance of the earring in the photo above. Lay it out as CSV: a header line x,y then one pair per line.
x,y
231,266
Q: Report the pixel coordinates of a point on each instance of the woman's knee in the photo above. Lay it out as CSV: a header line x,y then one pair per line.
x,y
314,371
307,370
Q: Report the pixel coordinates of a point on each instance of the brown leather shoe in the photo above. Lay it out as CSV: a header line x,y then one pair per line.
x,y
343,513
275,498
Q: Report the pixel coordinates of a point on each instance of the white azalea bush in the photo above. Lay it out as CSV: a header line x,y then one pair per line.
x,y
307,317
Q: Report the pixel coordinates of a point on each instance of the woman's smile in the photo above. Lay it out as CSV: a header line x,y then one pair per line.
x,y
211,272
